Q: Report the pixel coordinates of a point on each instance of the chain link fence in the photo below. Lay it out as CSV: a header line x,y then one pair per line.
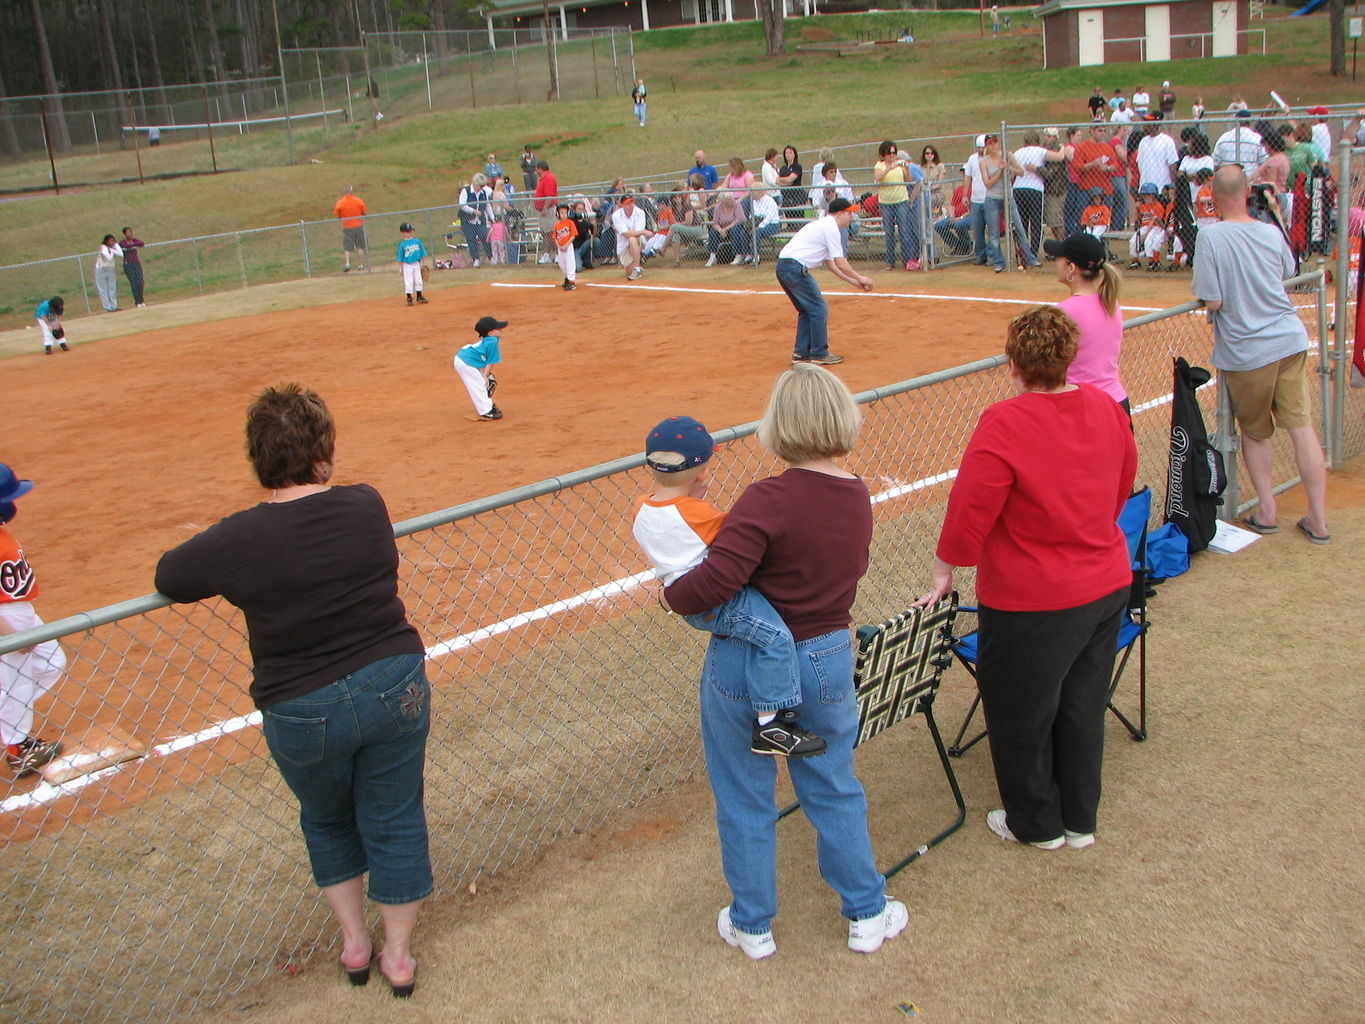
x,y
177,879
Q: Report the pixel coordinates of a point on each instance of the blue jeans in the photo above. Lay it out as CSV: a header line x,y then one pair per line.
x,y
956,234
769,651
353,753
992,210
763,233
978,216
1118,203
640,112
812,311
896,224
743,782
476,237
1072,208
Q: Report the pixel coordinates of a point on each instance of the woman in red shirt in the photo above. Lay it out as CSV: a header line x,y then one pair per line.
x,y
1035,507
801,539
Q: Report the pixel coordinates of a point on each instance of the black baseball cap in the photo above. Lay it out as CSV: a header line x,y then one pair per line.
x,y
681,434
488,324
404,227
1086,251
840,205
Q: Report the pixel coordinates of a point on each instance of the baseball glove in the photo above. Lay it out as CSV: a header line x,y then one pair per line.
x,y
492,385
58,333
426,272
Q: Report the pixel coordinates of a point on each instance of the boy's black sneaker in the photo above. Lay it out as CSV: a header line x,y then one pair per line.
x,y
421,298
409,300
784,737
32,755
492,414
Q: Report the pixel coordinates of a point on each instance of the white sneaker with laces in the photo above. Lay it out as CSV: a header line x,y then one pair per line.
x,y
711,260
737,261
755,947
544,258
867,935
635,274
1078,840
995,821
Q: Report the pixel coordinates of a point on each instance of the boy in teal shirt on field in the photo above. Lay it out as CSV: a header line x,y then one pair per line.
x,y
411,253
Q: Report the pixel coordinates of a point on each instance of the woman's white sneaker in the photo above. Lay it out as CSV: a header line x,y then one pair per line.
x,y
755,947
1078,840
995,821
867,935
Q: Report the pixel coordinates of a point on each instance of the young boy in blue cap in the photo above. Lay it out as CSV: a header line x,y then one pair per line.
x,y
27,674
675,526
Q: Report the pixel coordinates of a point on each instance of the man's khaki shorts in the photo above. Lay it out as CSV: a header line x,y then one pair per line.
x,y
1271,396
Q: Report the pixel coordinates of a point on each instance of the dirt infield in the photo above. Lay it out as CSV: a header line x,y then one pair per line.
x,y
135,442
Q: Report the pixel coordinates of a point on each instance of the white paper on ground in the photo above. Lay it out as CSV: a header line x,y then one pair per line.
x,y
1228,538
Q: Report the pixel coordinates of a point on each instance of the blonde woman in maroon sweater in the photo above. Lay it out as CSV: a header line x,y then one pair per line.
x,y
1035,507
801,539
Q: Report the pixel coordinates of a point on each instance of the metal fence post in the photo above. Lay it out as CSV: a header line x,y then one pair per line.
x,y
1008,252
1335,427
1327,375
303,241
198,275
241,260
85,288
1229,444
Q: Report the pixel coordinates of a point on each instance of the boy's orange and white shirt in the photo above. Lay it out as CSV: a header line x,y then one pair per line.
x,y
18,585
1151,213
565,232
1204,210
676,534
1096,215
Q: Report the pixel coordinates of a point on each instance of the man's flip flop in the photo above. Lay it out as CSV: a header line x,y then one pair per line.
x,y
1316,538
1250,523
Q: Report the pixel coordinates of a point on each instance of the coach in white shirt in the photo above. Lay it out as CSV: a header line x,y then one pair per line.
x,y
1157,158
818,242
1240,145
628,220
971,171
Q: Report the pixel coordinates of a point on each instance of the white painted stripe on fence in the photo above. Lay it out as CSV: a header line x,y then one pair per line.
x,y
615,587
778,291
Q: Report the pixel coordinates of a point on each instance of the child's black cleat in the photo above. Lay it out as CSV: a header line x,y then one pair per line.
x,y
784,737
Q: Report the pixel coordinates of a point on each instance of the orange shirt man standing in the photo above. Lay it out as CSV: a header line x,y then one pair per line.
x,y
351,209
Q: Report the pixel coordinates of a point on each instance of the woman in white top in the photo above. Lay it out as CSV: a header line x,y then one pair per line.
x,y
1027,163
106,274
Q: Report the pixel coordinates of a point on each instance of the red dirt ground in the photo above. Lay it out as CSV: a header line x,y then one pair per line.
x,y
136,442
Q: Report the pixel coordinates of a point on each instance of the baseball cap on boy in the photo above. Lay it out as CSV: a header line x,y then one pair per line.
x,y
405,227
840,205
1084,250
488,324
11,486
681,434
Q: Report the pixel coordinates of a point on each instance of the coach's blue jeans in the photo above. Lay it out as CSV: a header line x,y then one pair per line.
x,y
769,651
476,237
743,783
353,752
812,312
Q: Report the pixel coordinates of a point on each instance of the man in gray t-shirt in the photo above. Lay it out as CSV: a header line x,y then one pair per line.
x,y
1260,347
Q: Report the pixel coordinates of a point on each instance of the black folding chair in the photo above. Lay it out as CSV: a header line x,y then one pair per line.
x,y
899,665
1132,631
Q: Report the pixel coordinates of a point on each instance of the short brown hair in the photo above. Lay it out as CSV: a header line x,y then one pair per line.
x,y
289,430
1041,343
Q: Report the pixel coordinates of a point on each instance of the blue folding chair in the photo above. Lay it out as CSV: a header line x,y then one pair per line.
x,y
1132,631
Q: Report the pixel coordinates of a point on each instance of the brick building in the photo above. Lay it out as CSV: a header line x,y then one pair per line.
x,y
1081,33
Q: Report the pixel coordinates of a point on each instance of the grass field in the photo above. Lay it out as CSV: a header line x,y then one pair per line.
x,y
710,87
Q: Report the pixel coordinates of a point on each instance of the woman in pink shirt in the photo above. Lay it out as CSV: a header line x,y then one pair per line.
x,y
1083,266
739,179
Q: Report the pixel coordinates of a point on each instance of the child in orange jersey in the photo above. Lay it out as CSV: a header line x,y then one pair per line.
x,y
26,674
1095,217
1149,235
564,233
